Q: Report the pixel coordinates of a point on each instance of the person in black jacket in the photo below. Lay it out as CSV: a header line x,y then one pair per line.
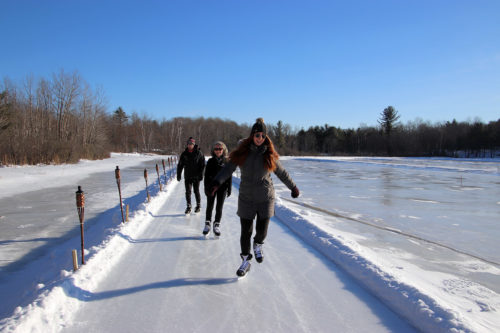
x,y
214,165
193,163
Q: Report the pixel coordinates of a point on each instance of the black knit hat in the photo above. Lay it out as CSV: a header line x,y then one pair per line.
x,y
259,126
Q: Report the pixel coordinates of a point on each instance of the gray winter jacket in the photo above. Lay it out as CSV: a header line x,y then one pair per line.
x,y
256,186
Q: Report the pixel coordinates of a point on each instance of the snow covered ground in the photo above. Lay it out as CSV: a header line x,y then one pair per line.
x,y
379,244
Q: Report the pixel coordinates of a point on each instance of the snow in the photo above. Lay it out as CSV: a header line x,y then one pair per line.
x,y
372,244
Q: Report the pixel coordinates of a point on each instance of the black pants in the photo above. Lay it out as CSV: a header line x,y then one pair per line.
x,y
246,233
221,196
195,184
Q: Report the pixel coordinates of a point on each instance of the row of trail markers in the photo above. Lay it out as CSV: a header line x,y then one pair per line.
x,y
80,202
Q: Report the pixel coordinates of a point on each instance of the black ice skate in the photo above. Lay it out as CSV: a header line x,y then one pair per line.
x,y
188,210
206,230
197,209
259,254
217,229
245,265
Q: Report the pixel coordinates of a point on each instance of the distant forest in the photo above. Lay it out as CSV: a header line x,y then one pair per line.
x,y
62,120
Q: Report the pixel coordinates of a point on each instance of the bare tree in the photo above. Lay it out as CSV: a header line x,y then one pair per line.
x,y
4,111
65,89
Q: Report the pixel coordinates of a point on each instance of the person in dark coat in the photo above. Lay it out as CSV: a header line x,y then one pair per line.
x,y
256,158
193,163
214,165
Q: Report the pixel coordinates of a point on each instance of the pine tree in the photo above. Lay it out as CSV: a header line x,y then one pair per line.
x,y
387,121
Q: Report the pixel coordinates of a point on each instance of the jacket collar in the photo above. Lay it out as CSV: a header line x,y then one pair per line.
x,y
259,149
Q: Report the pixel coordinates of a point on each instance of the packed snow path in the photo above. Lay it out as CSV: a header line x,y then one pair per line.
x,y
173,279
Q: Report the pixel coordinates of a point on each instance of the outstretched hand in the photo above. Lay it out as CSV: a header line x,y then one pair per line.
x,y
295,192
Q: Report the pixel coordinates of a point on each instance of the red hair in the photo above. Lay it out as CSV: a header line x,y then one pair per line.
x,y
240,155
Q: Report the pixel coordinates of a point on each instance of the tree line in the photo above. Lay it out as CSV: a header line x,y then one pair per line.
x,y
63,119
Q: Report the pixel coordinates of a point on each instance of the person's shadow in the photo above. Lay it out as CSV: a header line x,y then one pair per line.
x,y
152,240
168,215
87,296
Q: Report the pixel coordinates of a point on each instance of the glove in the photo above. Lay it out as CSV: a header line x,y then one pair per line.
x,y
213,190
214,186
295,192
207,192
178,178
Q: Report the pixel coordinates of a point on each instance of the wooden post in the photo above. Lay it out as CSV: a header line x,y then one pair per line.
x,y
164,173
80,206
118,182
146,179
171,165
126,216
158,173
75,260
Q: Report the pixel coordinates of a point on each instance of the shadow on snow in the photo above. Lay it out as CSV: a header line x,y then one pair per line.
x,y
87,296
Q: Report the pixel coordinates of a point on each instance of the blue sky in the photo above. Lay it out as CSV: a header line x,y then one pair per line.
x,y
307,63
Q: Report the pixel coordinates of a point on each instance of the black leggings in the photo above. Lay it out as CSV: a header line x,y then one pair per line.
x,y
246,233
221,196
195,183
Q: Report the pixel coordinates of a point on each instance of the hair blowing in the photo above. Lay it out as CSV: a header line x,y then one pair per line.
x,y
239,155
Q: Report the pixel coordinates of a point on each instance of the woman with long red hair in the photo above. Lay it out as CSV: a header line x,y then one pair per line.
x,y
256,158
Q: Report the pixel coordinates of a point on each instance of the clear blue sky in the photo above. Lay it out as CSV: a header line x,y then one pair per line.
x,y
310,62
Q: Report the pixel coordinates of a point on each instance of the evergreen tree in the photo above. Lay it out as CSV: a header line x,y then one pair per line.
x,y
387,121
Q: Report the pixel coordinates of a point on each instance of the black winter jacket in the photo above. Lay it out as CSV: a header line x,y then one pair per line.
x,y
214,165
193,164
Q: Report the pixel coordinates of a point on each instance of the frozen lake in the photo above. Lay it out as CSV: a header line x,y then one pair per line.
x,y
454,203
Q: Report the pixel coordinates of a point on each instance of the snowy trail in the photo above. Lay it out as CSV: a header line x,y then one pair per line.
x,y
172,279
